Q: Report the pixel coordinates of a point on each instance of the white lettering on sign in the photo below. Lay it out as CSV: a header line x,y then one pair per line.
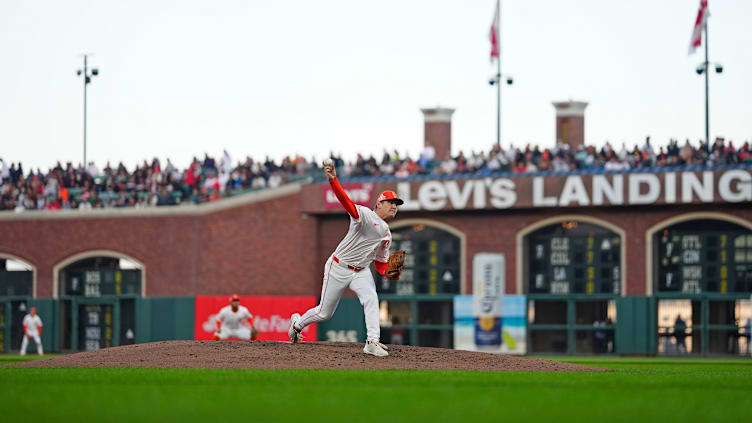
x,y
733,186
458,199
503,194
613,190
432,195
403,192
669,180
342,335
435,195
479,192
358,193
574,190
692,185
539,197
743,186
637,181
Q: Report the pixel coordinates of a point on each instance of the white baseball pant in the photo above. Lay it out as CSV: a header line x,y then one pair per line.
x,y
337,277
242,332
25,343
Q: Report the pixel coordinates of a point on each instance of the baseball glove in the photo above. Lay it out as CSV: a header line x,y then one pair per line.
x,y
395,264
254,333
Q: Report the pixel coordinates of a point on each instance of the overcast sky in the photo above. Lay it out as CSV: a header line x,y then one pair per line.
x,y
277,78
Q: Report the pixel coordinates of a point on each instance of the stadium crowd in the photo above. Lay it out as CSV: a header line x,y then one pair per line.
x,y
155,184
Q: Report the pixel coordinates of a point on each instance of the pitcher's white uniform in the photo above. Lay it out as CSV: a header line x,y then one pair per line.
x,y
232,323
367,239
32,326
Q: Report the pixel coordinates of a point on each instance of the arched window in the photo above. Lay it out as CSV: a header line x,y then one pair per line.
x,y
702,276
17,287
98,291
16,277
573,274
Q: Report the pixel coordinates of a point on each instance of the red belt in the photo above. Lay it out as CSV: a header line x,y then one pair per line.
x,y
355,268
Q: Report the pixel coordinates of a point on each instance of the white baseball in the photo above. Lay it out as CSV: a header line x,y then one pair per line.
x,y
327,162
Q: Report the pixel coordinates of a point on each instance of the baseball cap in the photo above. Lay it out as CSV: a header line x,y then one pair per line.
x,y
234,297
389,195
34,309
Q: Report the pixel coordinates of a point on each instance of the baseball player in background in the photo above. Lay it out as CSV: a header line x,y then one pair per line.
x,y
230,322
32,325
367,240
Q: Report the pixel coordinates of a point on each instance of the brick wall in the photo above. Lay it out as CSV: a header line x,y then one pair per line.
x,y
439,136
270,247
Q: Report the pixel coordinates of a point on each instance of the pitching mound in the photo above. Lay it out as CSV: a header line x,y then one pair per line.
x,y
306,355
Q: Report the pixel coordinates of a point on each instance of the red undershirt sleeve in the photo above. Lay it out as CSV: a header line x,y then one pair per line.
x,y
344,199
381,267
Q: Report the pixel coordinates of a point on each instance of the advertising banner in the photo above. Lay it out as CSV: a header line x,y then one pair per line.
x,y
271,315
358,193
512,325
488,287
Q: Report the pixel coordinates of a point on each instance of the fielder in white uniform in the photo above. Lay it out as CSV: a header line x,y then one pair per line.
x,y
32,325
230,321
367,240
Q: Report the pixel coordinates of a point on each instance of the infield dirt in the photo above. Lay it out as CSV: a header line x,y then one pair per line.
x,y
305,355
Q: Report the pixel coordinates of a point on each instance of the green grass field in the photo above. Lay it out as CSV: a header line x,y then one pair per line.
x,y
637,390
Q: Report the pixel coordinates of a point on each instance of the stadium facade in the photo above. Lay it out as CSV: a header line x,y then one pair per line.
x,y
648,261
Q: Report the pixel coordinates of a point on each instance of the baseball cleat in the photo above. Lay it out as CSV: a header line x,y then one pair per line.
x,y
292,332
375,348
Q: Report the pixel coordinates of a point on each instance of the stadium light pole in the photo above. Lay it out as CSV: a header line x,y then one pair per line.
x,y
704,67
496,79
87,80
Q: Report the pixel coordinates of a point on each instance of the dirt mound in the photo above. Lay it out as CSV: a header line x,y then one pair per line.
x,y
306,355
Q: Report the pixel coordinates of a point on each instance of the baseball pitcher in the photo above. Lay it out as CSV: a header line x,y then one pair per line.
x,y
230,322
367,240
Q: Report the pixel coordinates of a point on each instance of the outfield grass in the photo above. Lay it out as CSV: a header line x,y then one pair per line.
x,y
637,390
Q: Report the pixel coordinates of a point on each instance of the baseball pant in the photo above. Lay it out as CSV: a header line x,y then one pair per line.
x,y
242,332
337,277
25,343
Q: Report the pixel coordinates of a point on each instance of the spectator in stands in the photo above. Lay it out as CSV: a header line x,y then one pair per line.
x,y
76,187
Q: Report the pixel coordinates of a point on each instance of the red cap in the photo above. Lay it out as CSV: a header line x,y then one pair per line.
x,y
389,195
235,297
34,309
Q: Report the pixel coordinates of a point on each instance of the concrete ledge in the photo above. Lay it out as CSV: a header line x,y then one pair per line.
x,y
180,210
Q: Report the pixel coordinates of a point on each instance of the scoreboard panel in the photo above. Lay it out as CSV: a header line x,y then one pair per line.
x,y
572,258
432,262
95,327
97,283
704,256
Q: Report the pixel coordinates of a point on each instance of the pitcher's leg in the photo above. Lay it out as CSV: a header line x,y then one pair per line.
x,y
334,283
365,288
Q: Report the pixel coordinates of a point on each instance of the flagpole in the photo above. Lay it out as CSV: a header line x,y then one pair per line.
x,y
707,91
498,79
